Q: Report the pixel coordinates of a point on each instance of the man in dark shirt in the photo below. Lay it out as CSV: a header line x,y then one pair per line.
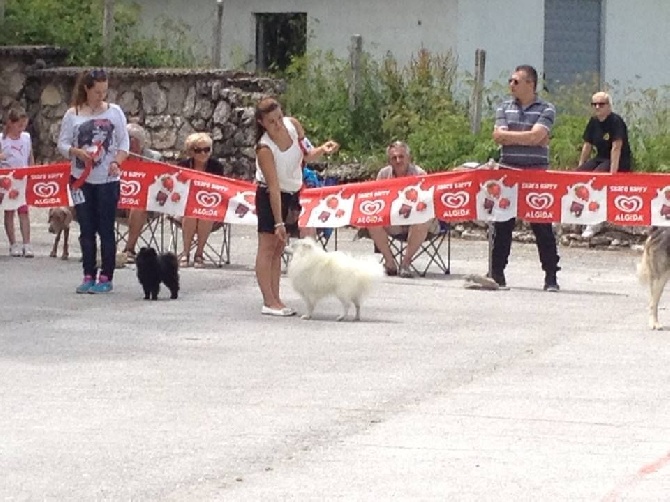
x,y
607,132
522,130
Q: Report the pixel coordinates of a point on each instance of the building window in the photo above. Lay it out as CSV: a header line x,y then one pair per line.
x,y
279,37
572,42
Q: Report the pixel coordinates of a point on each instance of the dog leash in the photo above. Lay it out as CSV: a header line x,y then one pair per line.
x,y
88,167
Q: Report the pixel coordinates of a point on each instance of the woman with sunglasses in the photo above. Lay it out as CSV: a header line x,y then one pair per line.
x,y
280,153
93,135
198,147
607,132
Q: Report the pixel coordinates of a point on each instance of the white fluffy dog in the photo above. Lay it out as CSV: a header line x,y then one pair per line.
x,y
315,274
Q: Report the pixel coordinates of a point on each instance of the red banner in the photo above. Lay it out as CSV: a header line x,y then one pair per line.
x,y
40,186
496,195
482,194
455,198
185,192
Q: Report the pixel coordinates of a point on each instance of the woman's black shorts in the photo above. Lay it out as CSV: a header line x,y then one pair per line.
x,y
266,220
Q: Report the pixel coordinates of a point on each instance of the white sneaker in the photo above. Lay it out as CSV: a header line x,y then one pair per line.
x,y
590,231
16,250
28,251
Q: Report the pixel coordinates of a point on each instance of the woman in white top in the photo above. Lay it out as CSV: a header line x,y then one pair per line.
x,y
16,152
280,152
94,136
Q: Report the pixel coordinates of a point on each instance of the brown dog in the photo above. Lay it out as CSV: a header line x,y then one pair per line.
x,y
60,219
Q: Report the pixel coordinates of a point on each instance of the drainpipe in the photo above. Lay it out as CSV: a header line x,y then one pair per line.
x,y
107,31
218,30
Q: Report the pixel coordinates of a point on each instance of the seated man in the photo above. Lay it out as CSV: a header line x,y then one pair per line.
x,y
137,217
400,165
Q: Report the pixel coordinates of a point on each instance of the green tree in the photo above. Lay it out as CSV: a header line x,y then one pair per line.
x,y
76,25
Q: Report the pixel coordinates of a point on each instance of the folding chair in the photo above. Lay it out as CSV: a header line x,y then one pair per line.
x,y
216,253
430,248
325,236
152,226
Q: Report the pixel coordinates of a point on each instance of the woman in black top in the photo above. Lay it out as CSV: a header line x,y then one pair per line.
x,y
607,132
198,147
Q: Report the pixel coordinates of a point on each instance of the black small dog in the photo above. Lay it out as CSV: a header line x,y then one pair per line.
x,y
152,269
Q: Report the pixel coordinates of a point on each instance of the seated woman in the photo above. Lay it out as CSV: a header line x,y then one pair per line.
x,y
198,148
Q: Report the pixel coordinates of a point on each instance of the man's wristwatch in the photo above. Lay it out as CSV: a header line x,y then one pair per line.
x,y
277,225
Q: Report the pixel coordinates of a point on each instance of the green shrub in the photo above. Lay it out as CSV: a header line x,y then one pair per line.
x,y
77,26
417,103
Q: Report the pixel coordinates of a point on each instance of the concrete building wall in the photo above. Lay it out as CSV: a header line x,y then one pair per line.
x,y
633,47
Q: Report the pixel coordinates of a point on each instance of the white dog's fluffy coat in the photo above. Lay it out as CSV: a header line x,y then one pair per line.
x,y
315,274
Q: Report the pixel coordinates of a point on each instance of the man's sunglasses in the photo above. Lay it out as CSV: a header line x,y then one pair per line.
x,y
598,104
204,149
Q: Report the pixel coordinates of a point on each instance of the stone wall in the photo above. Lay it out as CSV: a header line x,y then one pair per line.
x,y
170,104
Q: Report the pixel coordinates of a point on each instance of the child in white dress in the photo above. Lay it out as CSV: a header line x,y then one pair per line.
x,y
16,152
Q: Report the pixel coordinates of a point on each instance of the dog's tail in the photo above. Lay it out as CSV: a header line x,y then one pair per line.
x,y
653,246
370,268
169,263
644,267
647,268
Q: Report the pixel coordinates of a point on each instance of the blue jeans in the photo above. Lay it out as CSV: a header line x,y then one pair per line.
x,y
96,215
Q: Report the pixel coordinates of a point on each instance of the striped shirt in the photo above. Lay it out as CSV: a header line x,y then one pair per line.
x,y
513,117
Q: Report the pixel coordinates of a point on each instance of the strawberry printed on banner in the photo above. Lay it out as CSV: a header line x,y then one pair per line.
x,y
308,204
327,207
658,197
413,203
455,197
12,189
584,199
168,189
497,196
241,204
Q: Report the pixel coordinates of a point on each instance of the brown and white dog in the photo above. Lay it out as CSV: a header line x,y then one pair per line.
x,y
60,219
654,269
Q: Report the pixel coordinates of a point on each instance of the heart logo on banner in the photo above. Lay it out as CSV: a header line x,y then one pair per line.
x,y
455,200
46,189
628,204
130,188
371,207
208,199
539,200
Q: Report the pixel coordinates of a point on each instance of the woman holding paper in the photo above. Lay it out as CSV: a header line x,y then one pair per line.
x,y
280,152
94,136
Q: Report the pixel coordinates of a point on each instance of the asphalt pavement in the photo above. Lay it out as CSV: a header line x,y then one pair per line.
x,y
439,393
